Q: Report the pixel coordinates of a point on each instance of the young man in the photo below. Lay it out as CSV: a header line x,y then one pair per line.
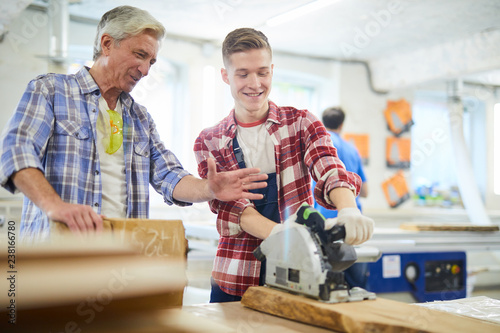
x,y
287,144
78,146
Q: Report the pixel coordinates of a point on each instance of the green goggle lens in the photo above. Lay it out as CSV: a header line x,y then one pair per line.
x,y
116,139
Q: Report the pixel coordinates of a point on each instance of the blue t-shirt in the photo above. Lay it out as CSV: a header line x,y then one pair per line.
x,y
348,154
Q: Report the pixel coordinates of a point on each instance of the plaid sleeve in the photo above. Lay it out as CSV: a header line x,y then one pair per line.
x,y
25,136
228,213
322,160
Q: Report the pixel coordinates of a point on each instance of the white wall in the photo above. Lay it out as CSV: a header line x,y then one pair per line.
x,y
364,115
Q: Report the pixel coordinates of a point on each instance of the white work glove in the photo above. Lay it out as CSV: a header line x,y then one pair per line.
x,y
358,228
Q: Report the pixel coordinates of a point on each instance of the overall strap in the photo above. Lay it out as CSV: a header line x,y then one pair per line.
x,y
239,154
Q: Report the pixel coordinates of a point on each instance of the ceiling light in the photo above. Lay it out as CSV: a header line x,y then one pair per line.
x,y
298,12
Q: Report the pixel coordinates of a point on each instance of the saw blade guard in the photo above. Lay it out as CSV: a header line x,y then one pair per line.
x,y
294,260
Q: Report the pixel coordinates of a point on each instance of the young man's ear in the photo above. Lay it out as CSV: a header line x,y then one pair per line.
x,y
223,73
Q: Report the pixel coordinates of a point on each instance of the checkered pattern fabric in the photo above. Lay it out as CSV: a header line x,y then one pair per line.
x,y
54,129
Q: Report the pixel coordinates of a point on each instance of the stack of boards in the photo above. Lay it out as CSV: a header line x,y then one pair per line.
x,y
88,283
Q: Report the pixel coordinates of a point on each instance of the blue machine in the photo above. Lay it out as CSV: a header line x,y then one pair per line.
x,y
429,276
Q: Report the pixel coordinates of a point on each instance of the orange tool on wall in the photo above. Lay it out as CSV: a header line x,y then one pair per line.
x,y
362,144
396,189
398,116
397,152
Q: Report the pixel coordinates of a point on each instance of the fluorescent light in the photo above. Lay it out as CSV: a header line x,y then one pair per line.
x,y
298,12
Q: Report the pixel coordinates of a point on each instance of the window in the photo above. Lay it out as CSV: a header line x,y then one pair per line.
x,y
159,93
431,151
290,94
496,149
156,92
300,90
433,173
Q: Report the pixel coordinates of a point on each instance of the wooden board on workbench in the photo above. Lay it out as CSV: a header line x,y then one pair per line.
x,y
153,238
448,227
380,315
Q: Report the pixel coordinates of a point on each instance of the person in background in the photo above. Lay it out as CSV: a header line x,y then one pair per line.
x,y
79,147
287,144
333,119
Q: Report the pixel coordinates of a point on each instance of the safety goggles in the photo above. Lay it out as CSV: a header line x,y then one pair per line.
x,y
116,139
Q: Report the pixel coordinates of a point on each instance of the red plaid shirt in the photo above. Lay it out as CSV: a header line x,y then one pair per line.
x,y
302,147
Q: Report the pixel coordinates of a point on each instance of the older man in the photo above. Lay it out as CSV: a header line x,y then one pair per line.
x,y
79,147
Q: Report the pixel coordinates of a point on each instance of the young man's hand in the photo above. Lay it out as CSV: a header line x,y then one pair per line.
x,y
358,228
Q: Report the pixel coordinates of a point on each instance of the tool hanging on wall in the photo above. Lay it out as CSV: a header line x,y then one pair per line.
x,y
396,190
362,144
398,116
398,151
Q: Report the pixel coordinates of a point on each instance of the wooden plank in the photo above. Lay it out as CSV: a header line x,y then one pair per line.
x,y
71,282
380,315
158,238
237,318
448,227
70,269
152,238
140,320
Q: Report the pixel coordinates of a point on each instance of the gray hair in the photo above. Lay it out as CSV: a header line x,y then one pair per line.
x,y
124,22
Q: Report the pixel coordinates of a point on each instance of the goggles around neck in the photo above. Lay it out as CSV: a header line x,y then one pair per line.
x,y
116,139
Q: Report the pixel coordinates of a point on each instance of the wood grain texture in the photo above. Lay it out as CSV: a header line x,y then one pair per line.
x,y
73,283
241,319
448,227
152,238
380,315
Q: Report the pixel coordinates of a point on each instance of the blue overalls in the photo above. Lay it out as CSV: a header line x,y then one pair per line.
x,y
267,207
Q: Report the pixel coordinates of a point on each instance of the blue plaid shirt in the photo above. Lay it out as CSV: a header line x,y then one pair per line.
x,y
54,130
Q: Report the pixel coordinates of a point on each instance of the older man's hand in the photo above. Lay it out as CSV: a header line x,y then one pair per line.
x,y
234,185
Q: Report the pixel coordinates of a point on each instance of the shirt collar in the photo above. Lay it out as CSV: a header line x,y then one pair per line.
x,y
274,114
86,81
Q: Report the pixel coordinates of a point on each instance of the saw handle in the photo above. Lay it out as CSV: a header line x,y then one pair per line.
x,y
336,233
311,218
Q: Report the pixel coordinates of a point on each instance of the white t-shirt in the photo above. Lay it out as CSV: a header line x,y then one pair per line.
x,y
257,145
114,190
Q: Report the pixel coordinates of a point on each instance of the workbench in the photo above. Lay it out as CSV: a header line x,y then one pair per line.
x,y
217,318
234,317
